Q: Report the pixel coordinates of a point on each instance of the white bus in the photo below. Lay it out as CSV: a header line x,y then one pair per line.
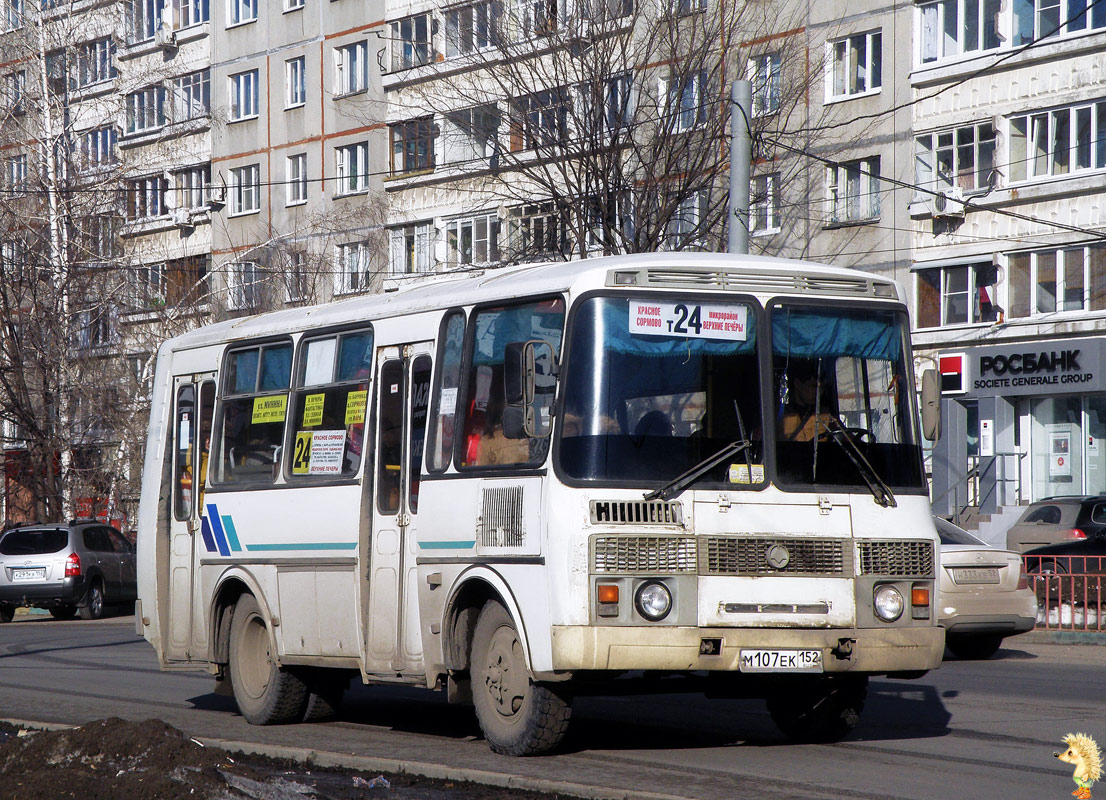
x,y
523,484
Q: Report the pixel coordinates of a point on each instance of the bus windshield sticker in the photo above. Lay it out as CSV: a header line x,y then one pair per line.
x,y
313,410
355,407
690,320
448,401
269,409
739,473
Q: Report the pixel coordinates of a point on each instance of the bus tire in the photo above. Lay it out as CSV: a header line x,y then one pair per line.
x,y
325,689
519,717
265,693
822,710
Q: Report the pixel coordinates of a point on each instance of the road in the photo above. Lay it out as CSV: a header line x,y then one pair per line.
x,y
970,729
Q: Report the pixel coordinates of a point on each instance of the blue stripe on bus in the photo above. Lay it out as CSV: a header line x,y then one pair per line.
x,y
448,545
217,529
205,530
232,534
305,546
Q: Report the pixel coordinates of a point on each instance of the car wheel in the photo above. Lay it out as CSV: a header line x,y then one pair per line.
x,y
820,710
266,693
973,648
518,716
93,607
1046,577
63,612
7,613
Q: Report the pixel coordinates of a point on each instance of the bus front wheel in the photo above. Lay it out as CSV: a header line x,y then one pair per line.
x,y
266,694
519,717
821,710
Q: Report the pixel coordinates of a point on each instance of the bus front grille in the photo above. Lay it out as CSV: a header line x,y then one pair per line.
x,y
656,554
896,559
740,555
636,512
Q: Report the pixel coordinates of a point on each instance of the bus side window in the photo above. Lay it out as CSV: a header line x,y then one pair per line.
x,y
184,483
253,415
441,431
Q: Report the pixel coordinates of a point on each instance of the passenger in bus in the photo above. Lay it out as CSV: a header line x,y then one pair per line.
x,y
807,412
494,446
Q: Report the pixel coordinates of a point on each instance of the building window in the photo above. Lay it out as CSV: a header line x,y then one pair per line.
x,y
94,327
472,28
352,163
685,107
764,75
950,28
243,95
600,11
187,13
241,11
245,189
681,8
764,204
412,145
15,173
1044,19
534,18
98,146
13,14
537,231
143,19
352,273
295,179
960,157
96,62
146,198
471,134
245,285
853,190
541,119
146,109
964,294
295,82
15,87
297,281
410,248
855,65
191,186
618,102
351,67
192,96
1057,142
1057,280
411,44
687,227
472,240
293,5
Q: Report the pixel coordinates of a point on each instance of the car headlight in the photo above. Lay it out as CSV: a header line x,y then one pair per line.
x,y
653,601
888,602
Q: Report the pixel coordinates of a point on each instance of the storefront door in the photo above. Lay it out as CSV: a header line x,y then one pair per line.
x,y
1068,452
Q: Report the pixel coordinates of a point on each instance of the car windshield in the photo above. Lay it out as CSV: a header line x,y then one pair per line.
x,y
951,534
34,543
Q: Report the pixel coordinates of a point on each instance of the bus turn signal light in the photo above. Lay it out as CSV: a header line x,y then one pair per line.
x,y
608,592
919,601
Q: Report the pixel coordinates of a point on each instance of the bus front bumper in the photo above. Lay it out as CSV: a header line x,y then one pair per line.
x,y
867,650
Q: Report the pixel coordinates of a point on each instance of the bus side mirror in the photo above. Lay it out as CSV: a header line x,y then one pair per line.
x,y
931,405
528,386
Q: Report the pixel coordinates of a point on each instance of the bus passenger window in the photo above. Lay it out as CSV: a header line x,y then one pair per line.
x,y
254,412
184,482
441,429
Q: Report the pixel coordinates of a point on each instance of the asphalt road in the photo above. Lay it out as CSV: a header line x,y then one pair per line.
x,y
968,730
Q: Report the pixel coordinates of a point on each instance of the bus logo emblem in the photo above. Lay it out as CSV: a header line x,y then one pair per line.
x,y
778,556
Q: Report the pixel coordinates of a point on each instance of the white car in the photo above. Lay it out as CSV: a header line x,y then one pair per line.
x,y
984,595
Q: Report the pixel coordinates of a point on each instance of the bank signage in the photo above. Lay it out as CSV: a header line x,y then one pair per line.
x,y
1036,368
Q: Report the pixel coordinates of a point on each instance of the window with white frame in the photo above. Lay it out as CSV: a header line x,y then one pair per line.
x,y
187,13
472,28
245,189
15,173
98,237
351,68
146,109
192,96
98,146
149,284
682,8
191,186
961,157
15,88
410,248
243,95
472,240
241,11
537,230
618,101
855,65
687,226
541,119
352,272
764,204
685,106
143,19
94,327
352,168
295,82
295,179
411,42
957,294
1066,279
412,145
471,134
12,14
297,280
532,18
95,62
245,285
608,223
952,28
293,5
764,75
852,188
606,10
1033,20
1058,142
146,198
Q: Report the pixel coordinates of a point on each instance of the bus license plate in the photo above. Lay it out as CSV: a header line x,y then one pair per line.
x,y
28,574
781,660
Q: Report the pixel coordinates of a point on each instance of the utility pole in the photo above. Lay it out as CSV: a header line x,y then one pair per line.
x,y
741,154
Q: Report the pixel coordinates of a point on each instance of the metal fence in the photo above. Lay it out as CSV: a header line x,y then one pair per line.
x,y
1070,591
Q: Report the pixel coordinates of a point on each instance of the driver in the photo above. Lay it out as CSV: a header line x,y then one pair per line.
x,y
807,413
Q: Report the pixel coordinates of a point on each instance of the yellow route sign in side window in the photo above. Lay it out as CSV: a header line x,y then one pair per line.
x,y
313,410
269,409
355,407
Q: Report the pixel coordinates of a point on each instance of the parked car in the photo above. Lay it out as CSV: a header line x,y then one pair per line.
x,y
1083,560
984,595
80,567
1057,519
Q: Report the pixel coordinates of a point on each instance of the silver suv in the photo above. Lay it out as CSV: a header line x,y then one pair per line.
x,y
81,567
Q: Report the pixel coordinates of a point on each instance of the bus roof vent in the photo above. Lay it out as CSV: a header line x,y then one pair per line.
x,y
636,512
767,281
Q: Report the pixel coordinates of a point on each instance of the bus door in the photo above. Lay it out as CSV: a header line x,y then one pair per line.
x,y
402,395
193,407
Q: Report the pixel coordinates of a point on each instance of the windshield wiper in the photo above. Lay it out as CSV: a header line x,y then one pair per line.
x,y
680,482
880,490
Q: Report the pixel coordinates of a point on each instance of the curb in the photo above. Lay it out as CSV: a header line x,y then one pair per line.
x,y
1044,636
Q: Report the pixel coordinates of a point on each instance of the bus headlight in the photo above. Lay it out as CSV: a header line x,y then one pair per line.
x,y
888,602
653,600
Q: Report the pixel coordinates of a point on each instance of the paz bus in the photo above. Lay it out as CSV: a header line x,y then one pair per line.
x,y
532,483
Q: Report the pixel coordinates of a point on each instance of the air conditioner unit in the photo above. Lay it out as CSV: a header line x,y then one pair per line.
x,y
165,37
949,203
182,218
215,197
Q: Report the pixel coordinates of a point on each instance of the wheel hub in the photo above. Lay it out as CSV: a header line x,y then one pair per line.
x,y
506,680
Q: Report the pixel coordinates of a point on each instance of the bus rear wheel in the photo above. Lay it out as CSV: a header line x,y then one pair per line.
x,y
266,694
821,710
519,717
